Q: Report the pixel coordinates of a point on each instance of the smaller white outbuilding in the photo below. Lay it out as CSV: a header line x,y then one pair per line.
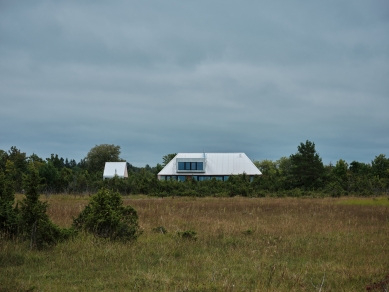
x,y
112,169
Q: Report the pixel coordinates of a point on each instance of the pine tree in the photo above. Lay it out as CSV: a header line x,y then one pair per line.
x,y
35,224
307,168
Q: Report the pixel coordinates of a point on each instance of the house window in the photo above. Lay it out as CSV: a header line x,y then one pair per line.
x,y
190,166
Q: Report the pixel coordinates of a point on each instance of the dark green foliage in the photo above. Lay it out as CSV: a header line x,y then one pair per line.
x,y
334,189
8,214
50,177
3,159
58,162
106,217
239,185
307,168
298,175
338,179
380,166
188,234
19,161
100,154
34,223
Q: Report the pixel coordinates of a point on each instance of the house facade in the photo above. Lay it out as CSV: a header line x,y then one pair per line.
x,y
205,166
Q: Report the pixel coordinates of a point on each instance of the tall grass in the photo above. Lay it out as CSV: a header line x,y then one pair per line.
x,y
243,244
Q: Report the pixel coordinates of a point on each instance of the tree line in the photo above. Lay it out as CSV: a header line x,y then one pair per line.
x,y
302,173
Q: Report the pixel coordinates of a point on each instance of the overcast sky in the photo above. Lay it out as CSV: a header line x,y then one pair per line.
x,y
159,77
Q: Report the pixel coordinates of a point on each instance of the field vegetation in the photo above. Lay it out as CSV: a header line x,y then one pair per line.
x,y
236,244
300,226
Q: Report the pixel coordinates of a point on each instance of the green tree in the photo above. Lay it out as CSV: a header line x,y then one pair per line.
x,y
380,166
8,214
158,168
360,168
56,161
3,159
267,167
340,173
167,158
35,224
100,154
38,162
338,179
66,178
307,168
50,176
19,160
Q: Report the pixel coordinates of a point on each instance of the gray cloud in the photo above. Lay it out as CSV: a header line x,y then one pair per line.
x,y
163,77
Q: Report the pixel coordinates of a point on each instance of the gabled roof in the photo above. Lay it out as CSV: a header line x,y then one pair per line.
x,y
115,168
215,164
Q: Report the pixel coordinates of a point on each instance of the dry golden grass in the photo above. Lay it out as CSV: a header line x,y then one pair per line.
x,y
243,244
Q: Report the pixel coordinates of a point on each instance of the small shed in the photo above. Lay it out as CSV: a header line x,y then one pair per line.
x,y
112,169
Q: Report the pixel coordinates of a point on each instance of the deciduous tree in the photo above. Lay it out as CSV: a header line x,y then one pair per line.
x,y
100,154
167,158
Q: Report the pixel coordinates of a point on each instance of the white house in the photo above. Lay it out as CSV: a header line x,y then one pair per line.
x,y
204,166
112,169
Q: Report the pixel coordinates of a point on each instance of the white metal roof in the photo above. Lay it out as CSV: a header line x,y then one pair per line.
x,y
216,164
115,168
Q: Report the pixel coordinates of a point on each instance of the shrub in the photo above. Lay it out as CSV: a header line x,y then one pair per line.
x,y
188,234
106,217
160,229
248,232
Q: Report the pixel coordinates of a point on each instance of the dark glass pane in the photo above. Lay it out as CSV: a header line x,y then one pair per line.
x,y
199,166
226,177
181,165
181,178
187,165
193,165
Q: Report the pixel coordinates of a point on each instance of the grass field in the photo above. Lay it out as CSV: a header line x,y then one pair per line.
x,y
242,244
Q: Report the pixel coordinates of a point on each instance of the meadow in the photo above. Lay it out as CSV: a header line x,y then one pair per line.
x,y
234,244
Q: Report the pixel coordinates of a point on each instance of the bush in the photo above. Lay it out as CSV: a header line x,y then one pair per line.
x,y
188,234
106,217
160,229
